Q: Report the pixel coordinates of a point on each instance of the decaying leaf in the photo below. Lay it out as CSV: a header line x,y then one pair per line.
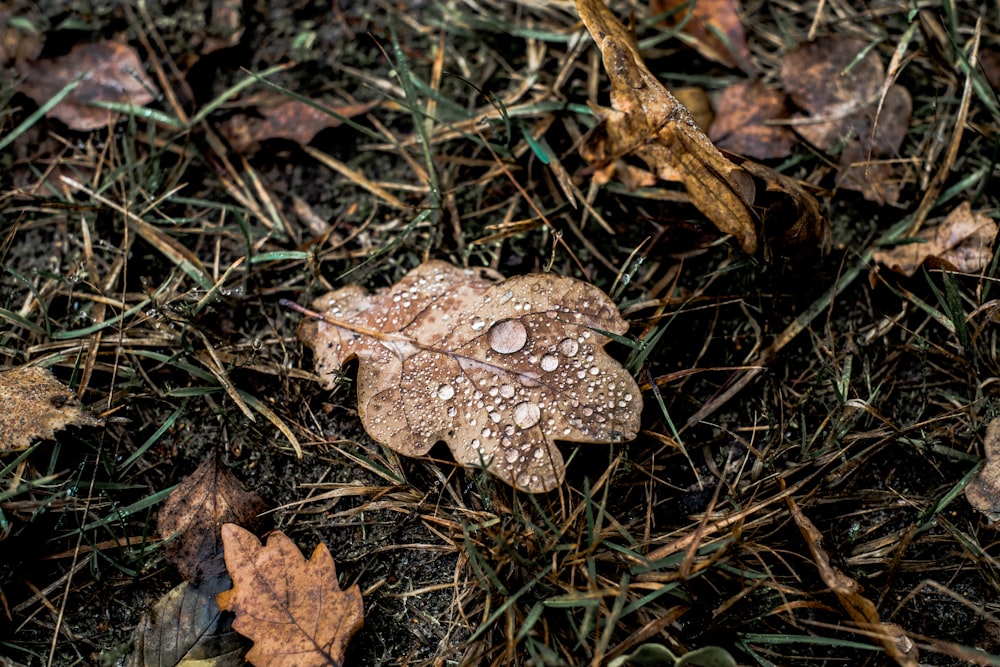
x,y
33,406
862,611
704,21
647,122
498,369
292,608
186,628
741,122
289,119
197,508
983,491
840,95
110,71
962,242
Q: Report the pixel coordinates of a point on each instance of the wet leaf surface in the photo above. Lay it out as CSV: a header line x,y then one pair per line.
x,y
962,242
186,628
292,608
108,72
197,508
648,123
33,406
498,369
713,25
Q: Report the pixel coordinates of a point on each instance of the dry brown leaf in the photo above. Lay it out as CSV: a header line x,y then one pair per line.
x,y
292,608
19,44
962,242
741,122
983,491
647,122
197,508
862,611
186,628
33,406
705,22
290,119
498,369
840,96
111,72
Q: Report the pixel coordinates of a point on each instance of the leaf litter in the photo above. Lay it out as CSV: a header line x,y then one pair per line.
x,y
34,405
498,369
104,71
292,608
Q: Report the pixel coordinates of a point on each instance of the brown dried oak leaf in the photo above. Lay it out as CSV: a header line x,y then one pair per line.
x,y
292,608
196,509
109,72
962,242
33,406
703,21
496,368
647,122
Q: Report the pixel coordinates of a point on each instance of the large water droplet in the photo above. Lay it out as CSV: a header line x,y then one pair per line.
x,y
527,414
569,347
478,324
507,391
512,455
550,362
445,392
508,336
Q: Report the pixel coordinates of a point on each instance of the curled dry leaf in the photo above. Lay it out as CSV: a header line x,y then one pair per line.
x,y
498,369
703,22
862,611
647,122
983,491
186,628
840,95
33,406
962,242
292,608
741,122
196,509
110,71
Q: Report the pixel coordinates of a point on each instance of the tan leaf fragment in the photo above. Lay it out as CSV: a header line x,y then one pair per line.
x,y
962,242
111,72
186,628
33,406
498,369
741,122
208,498
983,491
647,122
290,119
704,23
862,611
292,608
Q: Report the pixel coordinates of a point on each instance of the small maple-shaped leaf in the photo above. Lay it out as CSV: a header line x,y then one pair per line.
x,y
647,122
292,608
197,508
33,406
498,369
